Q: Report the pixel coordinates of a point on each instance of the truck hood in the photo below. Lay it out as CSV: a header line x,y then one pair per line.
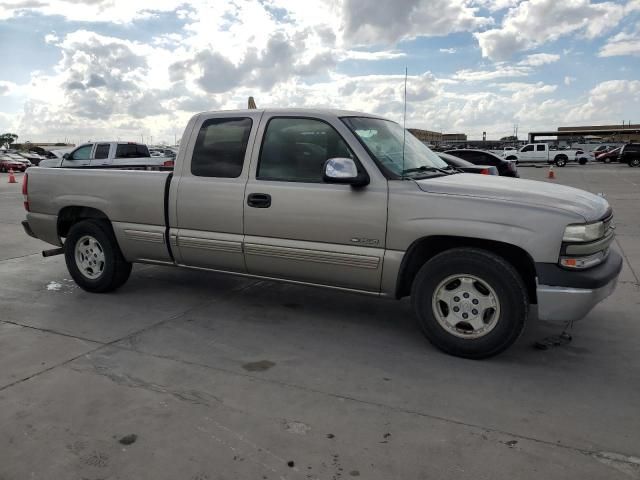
x,y
591,207
51,162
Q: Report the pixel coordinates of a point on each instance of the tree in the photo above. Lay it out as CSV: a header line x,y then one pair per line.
x,y
7,139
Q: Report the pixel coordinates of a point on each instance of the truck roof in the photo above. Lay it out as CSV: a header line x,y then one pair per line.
x,y
300,111
112,141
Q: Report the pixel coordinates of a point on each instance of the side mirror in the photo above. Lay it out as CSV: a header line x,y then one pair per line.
x,y
66,156
344,170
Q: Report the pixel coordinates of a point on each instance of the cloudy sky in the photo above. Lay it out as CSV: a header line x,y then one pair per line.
x,y
121,69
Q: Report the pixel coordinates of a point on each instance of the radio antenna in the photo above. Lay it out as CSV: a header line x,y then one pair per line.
x,y
404,119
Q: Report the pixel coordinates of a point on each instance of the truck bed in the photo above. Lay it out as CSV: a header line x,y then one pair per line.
x,y
133,200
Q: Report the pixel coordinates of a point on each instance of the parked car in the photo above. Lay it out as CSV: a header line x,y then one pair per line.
x,y
540,152
506,168
468,167
32,157
109,154
19,158
630,154
609,156
162,152
8,163
328,198
600,149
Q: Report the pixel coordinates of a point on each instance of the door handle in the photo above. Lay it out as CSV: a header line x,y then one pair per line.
x,y
259,200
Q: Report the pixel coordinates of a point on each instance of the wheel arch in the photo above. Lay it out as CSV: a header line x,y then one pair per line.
x,y
561,156
425,248
70,215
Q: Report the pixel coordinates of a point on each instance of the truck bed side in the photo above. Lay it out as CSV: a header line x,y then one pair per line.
x,y
133,201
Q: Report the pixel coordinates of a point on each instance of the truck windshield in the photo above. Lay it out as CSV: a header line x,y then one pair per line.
x,y
384,140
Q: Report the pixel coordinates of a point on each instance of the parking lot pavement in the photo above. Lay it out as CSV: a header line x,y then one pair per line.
x,y
225,378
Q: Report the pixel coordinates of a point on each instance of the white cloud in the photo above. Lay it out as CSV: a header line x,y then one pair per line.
x,y
535,22
368,22
607,99
539,59
569,80
495,5
624,43
287,53
373,56
468,75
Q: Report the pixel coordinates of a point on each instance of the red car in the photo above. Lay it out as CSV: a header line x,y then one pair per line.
x,y
608,157
7,164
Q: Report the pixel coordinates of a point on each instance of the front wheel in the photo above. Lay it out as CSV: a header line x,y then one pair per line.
x,y
634,162
93,257
560,162
470,302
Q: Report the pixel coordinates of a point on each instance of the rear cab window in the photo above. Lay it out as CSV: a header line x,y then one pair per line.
x,y
220,147
132,150
102,151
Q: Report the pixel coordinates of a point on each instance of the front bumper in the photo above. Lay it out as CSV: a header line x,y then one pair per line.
x,y
569,295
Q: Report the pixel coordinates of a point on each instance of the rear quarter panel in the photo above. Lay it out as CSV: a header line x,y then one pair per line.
x,y
132,200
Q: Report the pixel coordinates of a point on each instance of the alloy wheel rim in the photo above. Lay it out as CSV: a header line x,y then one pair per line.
x,y
89,256
466,306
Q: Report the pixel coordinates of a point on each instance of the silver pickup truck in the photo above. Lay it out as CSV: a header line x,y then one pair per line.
x,y
342,200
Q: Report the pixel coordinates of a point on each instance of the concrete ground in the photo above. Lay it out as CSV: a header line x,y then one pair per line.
x,y
226,378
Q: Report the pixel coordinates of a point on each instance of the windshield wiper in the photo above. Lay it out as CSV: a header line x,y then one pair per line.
x,y
424,168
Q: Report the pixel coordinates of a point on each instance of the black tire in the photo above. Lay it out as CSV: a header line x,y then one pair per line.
x,y
582,161
607,160
634,162
115,271
511,158
560,161
491,269
3,169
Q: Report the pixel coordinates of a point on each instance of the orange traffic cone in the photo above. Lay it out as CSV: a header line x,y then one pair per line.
x,y
551,175
12,177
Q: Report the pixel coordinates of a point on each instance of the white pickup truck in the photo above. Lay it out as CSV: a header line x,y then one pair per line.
x,y
109,154
342,200
540,152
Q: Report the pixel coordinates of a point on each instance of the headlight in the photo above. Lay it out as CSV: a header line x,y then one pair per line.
x,y
583,233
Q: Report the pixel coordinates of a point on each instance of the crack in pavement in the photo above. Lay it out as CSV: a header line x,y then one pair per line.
x,y
20,256
380,405
54,332
132,334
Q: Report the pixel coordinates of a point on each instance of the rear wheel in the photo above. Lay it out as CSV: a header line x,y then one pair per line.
x,y
607,160
634,162
582,161
93,257
560,161
470,302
